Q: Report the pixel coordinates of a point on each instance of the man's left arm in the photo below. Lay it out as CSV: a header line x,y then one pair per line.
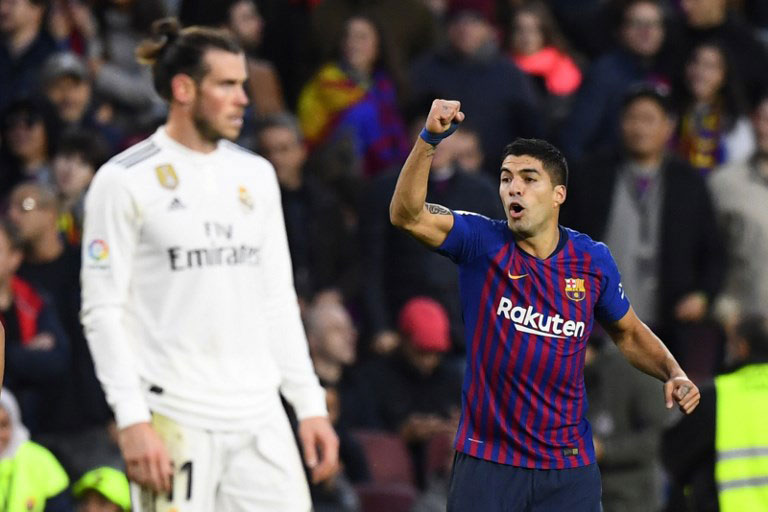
x,y
642,348
288,344
646,352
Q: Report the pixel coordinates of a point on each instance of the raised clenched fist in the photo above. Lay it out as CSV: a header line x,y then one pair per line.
x,y
442,114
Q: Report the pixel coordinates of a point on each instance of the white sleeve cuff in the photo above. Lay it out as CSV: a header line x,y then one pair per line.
x,y
310,404
130,412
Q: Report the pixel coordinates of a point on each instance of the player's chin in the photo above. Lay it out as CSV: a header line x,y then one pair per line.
x,y
519,228
230,133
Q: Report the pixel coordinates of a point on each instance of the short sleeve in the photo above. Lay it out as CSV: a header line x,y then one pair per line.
x,y
465,240
613,303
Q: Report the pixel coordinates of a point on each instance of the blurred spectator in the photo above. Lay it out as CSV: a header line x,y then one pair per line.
x,y
72,24
76,415
593,123
389,283
118,75
716,456
73,414
332,342
67,86
708,20
355,97
78,155
417,391
244,20
493,91
37,350
627,417
28,137
264,88
103,489
468,150
655,213
408,23
740,193
322,252
286,41
24,46
33,479
538,48
713,127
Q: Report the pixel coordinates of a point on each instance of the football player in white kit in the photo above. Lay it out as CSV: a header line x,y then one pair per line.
x,y
189,305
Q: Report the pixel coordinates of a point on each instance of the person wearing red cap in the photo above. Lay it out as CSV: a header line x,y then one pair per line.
x,y
417,391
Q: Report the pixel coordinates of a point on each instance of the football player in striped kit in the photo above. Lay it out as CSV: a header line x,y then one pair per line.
x,y
530,291
188,301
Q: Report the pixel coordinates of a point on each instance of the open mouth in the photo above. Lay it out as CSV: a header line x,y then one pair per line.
x,y
516,210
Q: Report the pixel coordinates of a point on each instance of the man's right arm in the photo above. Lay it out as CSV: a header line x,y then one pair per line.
x,y
110,236
408,210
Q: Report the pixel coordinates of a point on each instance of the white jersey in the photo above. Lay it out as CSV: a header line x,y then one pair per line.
x,y
188,299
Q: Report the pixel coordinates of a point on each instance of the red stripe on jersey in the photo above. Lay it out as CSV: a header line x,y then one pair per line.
x,y
486,423
474,384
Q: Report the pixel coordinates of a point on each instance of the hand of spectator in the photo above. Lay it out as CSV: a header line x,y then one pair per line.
x,y
43,341
59,26
599,452
683,391
321,447
692,307
420,427
442,114
146,459
385,342
83,19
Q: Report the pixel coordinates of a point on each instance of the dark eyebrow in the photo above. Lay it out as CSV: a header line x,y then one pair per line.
x,y
521,171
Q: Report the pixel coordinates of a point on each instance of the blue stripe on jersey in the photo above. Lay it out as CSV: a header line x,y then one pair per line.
x,y
523,398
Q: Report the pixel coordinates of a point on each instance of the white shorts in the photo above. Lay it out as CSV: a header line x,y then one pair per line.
x,y
229,471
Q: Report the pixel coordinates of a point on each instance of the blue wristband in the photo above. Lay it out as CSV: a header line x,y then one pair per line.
x,y
436,138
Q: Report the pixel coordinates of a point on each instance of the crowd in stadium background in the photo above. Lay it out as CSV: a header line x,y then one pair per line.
x,y
660,106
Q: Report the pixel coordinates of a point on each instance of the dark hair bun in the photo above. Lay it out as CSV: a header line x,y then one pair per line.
x,y
164,32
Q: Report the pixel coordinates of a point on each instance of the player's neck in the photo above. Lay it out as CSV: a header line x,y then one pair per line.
x,y
542,244
181,128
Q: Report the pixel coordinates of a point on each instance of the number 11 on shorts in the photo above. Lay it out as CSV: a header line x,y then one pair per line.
x,y
185,468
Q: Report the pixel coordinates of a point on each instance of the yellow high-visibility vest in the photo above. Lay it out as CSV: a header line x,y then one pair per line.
x,y
29,478
741,439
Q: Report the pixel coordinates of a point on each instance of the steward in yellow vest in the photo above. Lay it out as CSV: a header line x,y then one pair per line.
x,y
718,455
31,479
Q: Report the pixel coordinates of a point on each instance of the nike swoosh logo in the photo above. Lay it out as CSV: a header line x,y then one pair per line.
x,y
514,277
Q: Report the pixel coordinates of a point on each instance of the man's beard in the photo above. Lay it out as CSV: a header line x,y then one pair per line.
x,y
205,128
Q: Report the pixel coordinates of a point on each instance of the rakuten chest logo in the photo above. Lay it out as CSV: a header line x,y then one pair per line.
x,y
527,320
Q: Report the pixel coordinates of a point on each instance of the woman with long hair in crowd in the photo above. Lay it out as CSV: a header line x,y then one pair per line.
x,y
356,96
538,48
713,127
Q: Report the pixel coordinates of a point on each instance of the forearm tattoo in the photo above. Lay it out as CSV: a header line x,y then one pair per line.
x,y
437,209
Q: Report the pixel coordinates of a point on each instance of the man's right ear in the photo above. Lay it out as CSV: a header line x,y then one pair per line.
x,y
183,89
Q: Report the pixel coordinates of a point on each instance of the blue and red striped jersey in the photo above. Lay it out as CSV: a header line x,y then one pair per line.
x,y
527,321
